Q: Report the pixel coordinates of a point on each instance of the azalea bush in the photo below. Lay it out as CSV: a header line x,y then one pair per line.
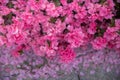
x,y
42,37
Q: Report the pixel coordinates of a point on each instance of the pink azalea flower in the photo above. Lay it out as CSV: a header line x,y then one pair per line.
x,y
67,55
3,30
93,17
99,43
52,10
40,51
81,13
4,10
16,52
110,4
117,23
92,28
3,40
105,12
64,2
75,38
15,35
110,33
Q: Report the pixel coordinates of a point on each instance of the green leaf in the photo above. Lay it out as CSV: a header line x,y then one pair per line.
x,y
10,4
62,18
112,22
102,1
49,42
69,1
8,18
100,32
21,52
81,3
60,72
57,2
39,65
65,31
26,62
118,32
53,19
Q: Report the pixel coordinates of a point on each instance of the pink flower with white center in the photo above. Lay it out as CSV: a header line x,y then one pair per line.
x,y
70,28
67,55
110,34
75,38
50,52
99,43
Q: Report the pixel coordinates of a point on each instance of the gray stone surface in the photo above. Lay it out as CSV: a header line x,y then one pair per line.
x,y
100,74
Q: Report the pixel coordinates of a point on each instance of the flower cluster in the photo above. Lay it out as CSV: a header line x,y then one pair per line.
x,y
44,25
54,28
